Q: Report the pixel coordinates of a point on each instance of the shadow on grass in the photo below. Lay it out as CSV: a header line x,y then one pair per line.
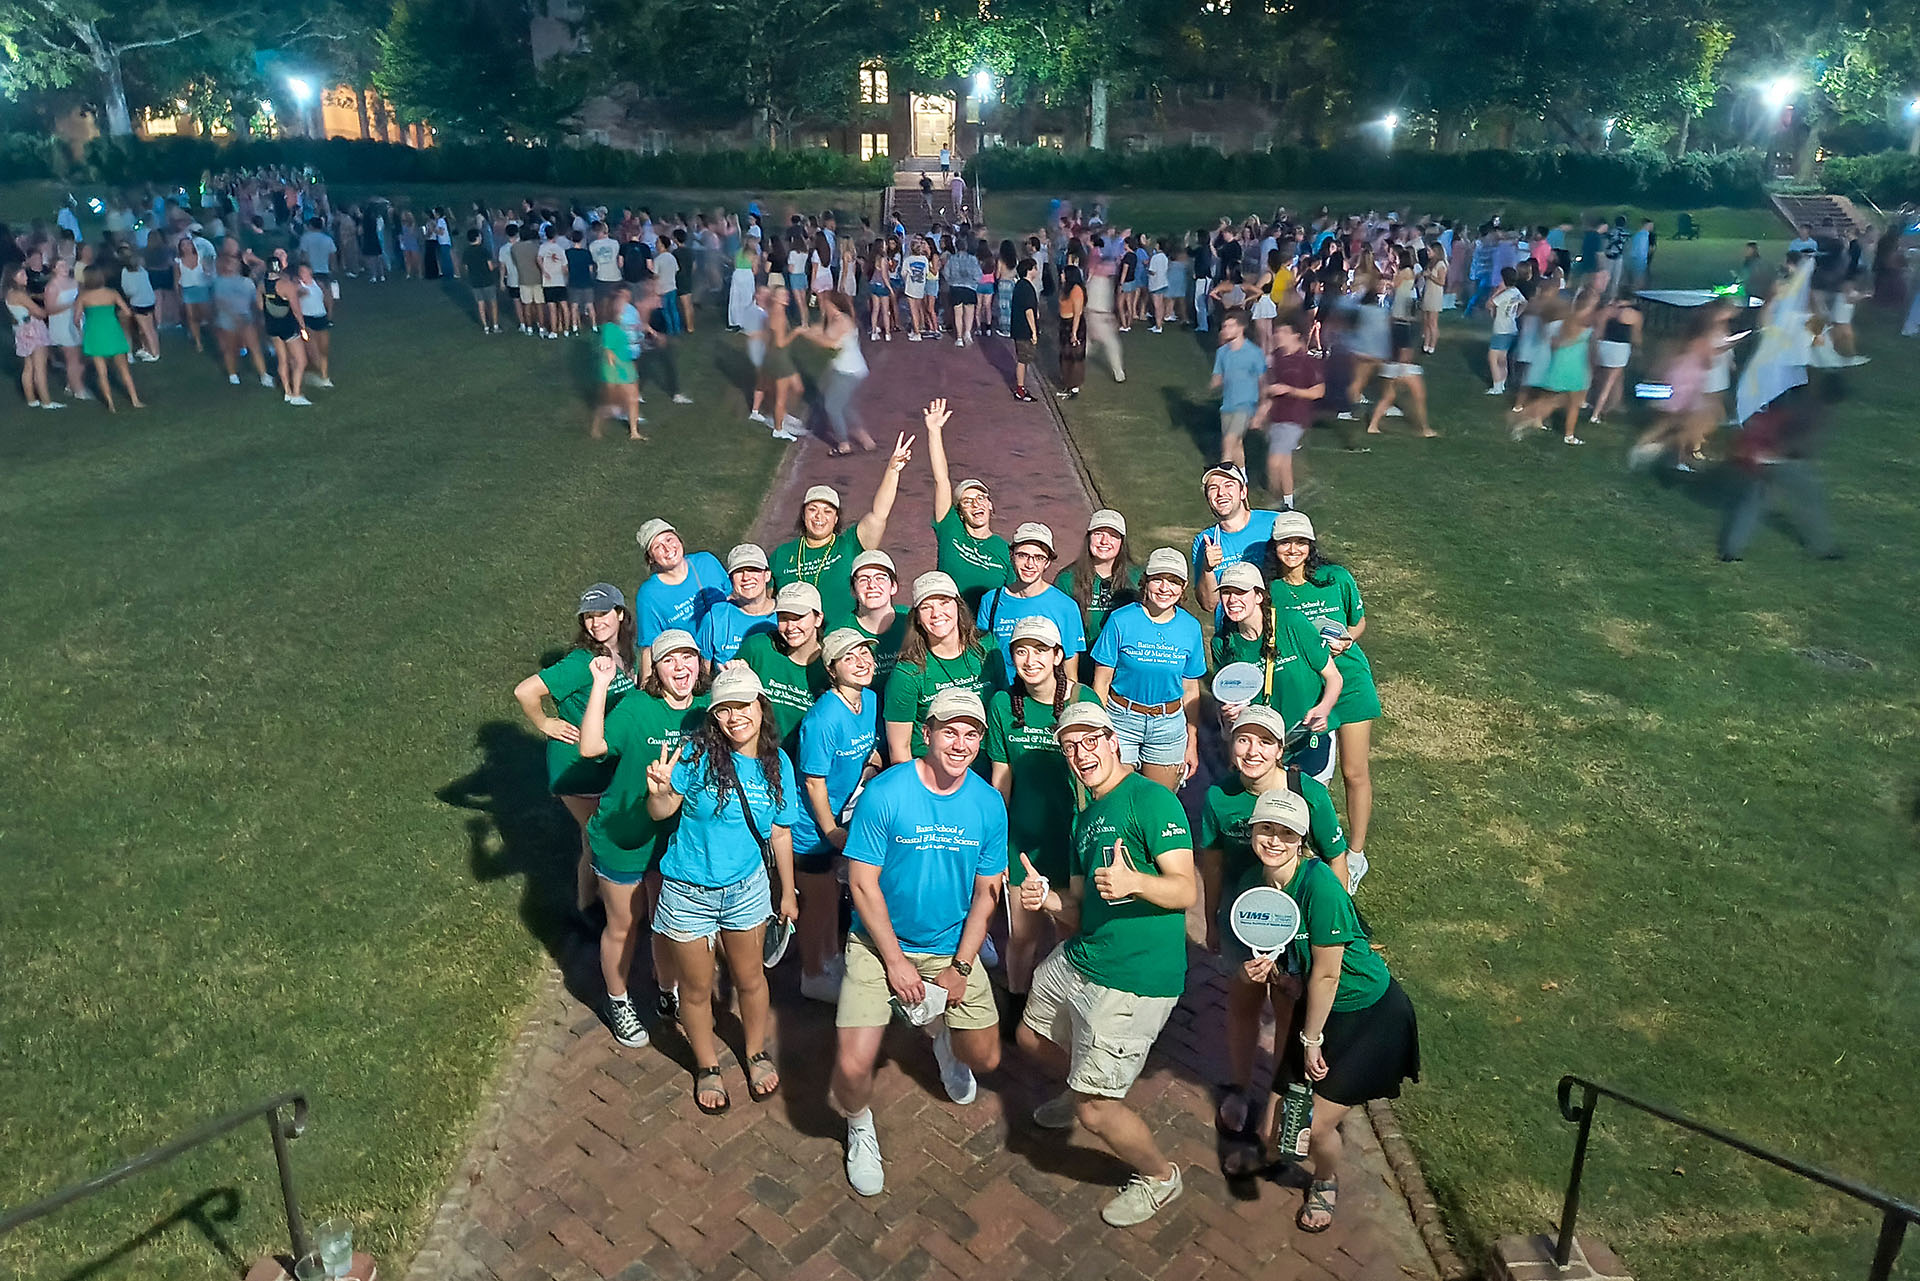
x,y
211,1208
519,830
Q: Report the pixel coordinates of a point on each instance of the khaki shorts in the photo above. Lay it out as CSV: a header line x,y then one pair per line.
x,y
865,999
1234,423
1106,1031
531,294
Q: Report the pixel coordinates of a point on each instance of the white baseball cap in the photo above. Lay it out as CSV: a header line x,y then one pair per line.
x,y
1292,524
971,482
842,641
652,530
747,556
1037,630
671,641
1082,716
933,583
822,494
869,559
797,598
735,685
1261,717
1165,560
1283,807
957,705
1242,577
1107,518
1032,532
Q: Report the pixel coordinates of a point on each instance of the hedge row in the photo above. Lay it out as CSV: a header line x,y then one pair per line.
x,y
1696,179
1888,178
124,160
26,156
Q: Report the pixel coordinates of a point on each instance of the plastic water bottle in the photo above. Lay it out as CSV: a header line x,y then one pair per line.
x,y
1296,1120
931,1006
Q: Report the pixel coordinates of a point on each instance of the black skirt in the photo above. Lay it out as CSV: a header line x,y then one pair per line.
x,y
1368,1051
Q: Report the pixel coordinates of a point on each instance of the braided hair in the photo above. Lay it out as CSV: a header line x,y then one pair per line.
x,y
1060,692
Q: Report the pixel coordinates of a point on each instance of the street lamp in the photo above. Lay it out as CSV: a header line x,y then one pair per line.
x,y
1607,134
982,83
302,91
1778,92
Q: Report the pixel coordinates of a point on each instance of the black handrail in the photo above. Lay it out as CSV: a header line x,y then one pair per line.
x,y
268,1108
1895,1214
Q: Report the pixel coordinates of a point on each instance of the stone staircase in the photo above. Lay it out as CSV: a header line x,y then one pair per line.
x,y
1825,212
918,212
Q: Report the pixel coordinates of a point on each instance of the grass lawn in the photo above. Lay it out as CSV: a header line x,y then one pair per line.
x,y
1624,826
272,816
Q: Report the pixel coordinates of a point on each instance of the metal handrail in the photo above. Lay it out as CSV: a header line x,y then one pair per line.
x,y
1895,1214
267,1108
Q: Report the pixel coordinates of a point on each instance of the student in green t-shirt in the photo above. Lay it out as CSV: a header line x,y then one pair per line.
x,y
1099,1000
787,660
1226,857
969,552
624,839
1300,679
619,380
873,582
1357,1039
823,553
603,626
1102,579
943,650
1327,596
1032,776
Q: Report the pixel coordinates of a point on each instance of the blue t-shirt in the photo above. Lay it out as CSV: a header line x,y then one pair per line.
x,y
658,604
834,744
724,627
712,847
1001,611
1149,659
929,849
1249,544
1239,374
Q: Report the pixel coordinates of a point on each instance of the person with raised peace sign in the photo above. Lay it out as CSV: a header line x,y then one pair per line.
x,y
1102,996
925,854
823,553
1354,1036
631,735
734,792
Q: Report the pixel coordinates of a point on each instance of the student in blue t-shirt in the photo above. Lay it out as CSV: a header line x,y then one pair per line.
x,y
925,856
747,612
1147,668
734,793
1238,367
835,757
1030,595
679,588
1238,533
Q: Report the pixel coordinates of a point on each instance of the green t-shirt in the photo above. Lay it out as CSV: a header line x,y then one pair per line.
x,y
1040,815
976,565
828,568
1328,919
622,835
1340,600
1105,597
1131,945
886,655
910,689
569,681
1228,811
1299,656
791,687
616,366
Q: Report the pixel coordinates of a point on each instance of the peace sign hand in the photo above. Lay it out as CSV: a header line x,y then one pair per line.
x,y
902,454
660,773
1116,879
936,415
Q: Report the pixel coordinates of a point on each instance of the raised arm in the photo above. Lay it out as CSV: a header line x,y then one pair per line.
x,y
935,416
873,526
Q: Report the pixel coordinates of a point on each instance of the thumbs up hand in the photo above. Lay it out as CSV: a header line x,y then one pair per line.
x,y
1210,548
1034,888
1116,879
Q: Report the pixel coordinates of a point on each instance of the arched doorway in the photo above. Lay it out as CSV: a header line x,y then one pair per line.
x,y
932,123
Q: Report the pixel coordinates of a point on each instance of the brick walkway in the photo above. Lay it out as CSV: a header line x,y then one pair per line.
x,y
591,1160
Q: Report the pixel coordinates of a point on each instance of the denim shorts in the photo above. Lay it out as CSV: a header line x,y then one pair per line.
x,y
689,912
1502,342
1149,740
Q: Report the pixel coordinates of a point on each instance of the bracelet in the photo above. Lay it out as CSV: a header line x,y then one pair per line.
x,y
1313,1042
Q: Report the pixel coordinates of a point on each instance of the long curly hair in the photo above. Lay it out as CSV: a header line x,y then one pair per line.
x,y
1316,566
712,755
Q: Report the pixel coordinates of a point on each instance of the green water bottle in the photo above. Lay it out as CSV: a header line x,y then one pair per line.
x,y
1296,1120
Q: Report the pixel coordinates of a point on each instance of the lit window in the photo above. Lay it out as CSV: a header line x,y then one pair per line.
x,y
873,144
1054,141
873,84
162,126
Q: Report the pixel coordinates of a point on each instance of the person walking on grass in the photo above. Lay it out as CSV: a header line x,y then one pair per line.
x,y
624,842
550,261
1024,318
735,797
480,268
1238,366
1506,304
235,326
619,379
1103,328
318,324
1295,387
1100,999
280,304
1355,1038
30,340
969,552
925,852
101,315
822,555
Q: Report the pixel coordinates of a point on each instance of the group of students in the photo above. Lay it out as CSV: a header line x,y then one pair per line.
x,y
992,769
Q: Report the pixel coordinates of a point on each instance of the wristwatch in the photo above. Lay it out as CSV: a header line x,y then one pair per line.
x,y
965,967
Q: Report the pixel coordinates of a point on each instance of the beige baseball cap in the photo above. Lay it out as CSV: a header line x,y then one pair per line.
x,y
652,530
671,641
1283,807
1292,524
1231,471
822,494
933,583
1107,518
1032,532
736,684
1035,630
842,641
971,482
1082,716
876,557
957,705
747,556
1263,718
1242,577
797,598
1165,560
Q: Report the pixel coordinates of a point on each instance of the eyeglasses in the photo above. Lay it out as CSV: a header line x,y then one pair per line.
x,y
1083,745
1031,557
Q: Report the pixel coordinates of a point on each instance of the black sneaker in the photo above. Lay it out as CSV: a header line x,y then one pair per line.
x,y
1021,393
667,1006
624,1021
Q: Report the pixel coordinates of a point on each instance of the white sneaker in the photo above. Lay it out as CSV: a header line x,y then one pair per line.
x,y
864,1171
266,380
955,1075
52,404
1119,378
1572,440
1392,411
1357,866
1345,415
234,379
1057,1113
680,399
959,342
1154,330
793,426
757,417
1496,390
824,986
321,382
145,356
914,336
298,400
1141,1199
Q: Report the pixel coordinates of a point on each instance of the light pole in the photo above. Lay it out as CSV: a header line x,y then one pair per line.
x,y
1388,123
1607,134
302,91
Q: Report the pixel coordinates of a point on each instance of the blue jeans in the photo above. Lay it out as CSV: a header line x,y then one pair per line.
x,y
670,311
446,259
1481,290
